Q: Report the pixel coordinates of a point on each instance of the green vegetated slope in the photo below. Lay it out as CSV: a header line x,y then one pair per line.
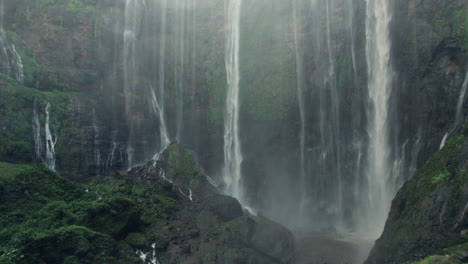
x,y
46,218
428,221
16,118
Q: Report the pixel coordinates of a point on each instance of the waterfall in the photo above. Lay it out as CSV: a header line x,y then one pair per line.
x,y
160,104
12,62
180,74
300,99
378,18
36,127
133,14
50,142
459,114
232,148
351,35
158,111
97,152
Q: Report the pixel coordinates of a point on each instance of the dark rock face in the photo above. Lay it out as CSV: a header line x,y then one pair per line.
x,y
208,227
429,55
429,213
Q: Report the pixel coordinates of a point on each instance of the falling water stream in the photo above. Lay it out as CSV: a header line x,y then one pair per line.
x,y
379,88
232,148
12,63
50,141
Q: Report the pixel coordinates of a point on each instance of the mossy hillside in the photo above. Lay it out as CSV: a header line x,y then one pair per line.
x,y
426,207
447,256
452,23
48,219
16,113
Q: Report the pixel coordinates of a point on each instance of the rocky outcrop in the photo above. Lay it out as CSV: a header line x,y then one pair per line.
x,y
430,212
211,227
165,211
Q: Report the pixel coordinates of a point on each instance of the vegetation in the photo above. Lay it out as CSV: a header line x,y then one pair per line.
x,y
16,111
48,219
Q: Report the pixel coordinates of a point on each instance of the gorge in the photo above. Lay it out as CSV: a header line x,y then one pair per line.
x,y
313,115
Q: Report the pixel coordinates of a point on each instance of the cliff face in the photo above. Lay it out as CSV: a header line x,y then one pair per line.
x,y
429,213
73,56
430,54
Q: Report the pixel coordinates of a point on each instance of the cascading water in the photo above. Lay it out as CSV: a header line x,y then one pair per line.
x,y
158,105
232,148
50,141
378,170
36,127
12,63
163,134
461,100
458,113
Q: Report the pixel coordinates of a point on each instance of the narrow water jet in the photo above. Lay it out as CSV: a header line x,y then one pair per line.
x,y
50,141
232,149
461,100
12,64
158,111
36,127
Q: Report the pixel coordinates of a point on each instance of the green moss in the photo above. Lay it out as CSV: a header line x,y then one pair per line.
x,y
48,219
182,167
452,23
16,112
441,176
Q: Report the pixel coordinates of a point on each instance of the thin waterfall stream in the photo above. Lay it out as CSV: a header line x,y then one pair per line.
x,y
232,145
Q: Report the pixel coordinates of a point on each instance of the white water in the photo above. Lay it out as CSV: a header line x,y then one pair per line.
x,y
459,112
50,142
444,139
36,127
12,62
148,257
232,148
163,134
461,100
111,157
379,88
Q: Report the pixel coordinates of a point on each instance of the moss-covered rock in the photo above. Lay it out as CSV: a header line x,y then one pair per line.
x,y
46,218
429,212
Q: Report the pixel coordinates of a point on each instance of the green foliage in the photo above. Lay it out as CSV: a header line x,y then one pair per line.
x,y
182,167
441,176
452,23
16,108
48,219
